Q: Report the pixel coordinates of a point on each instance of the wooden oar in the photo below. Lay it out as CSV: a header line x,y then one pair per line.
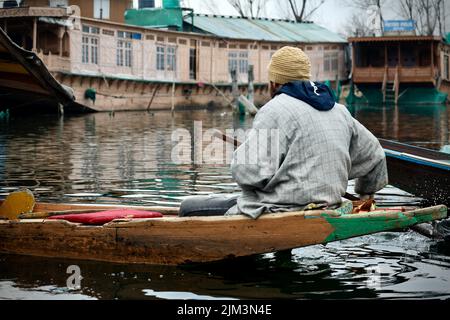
x,y
44,215
20,205
422,229
226,138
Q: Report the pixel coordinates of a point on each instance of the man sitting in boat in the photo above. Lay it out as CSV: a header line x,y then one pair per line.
x,y
320,147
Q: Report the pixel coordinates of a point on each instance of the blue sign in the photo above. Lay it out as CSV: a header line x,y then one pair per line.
x,y
399,25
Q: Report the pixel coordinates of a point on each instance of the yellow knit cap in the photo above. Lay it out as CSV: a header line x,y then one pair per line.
x,y
289,64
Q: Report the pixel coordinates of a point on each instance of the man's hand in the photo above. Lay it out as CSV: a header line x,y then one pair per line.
x,y
366,196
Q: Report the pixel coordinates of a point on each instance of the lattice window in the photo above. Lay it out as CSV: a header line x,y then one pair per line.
x,y
160,58
124,53
238,60
171,59
89,50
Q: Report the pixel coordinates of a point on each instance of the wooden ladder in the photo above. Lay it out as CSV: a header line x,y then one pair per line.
x,y
390,93
390,89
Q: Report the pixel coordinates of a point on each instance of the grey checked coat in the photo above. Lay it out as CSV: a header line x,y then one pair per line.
x,y
309,158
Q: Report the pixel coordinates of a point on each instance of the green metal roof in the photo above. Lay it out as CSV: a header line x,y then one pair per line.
x,y
154,17
264,29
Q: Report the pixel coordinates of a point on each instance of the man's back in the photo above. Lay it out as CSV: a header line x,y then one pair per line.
x,y
318,152
303,149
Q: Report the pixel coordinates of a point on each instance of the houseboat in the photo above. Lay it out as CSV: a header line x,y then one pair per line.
x,y
26,83
116,57
400,69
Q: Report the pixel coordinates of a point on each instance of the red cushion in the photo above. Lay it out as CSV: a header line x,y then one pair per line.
x,y
99,218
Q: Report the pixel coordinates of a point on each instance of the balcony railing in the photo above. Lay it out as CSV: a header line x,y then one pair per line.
x,y
9,12
406,74
55,62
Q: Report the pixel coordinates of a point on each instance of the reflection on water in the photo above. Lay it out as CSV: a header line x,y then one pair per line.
x,y
107,156
407,266
126,158
422,125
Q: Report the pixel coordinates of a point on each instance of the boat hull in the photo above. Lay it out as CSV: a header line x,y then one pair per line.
x,y
431,184
422,172
174,240
27,85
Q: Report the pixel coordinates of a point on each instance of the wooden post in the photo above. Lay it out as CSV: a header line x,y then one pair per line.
x,y
353,60
35,34
397,84
251,87
60,38
173,95
432,60
144,58
153,96
259,64
235,88
212,62
60,109
197,60
384,85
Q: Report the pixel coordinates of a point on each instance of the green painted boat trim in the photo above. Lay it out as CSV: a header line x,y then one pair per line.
x,y
354,225
408,95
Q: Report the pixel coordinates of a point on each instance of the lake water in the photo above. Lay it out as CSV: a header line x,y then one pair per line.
x,y
127,158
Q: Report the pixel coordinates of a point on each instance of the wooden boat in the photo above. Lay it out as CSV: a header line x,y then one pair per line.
x,y
25,82
172,240
422,172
